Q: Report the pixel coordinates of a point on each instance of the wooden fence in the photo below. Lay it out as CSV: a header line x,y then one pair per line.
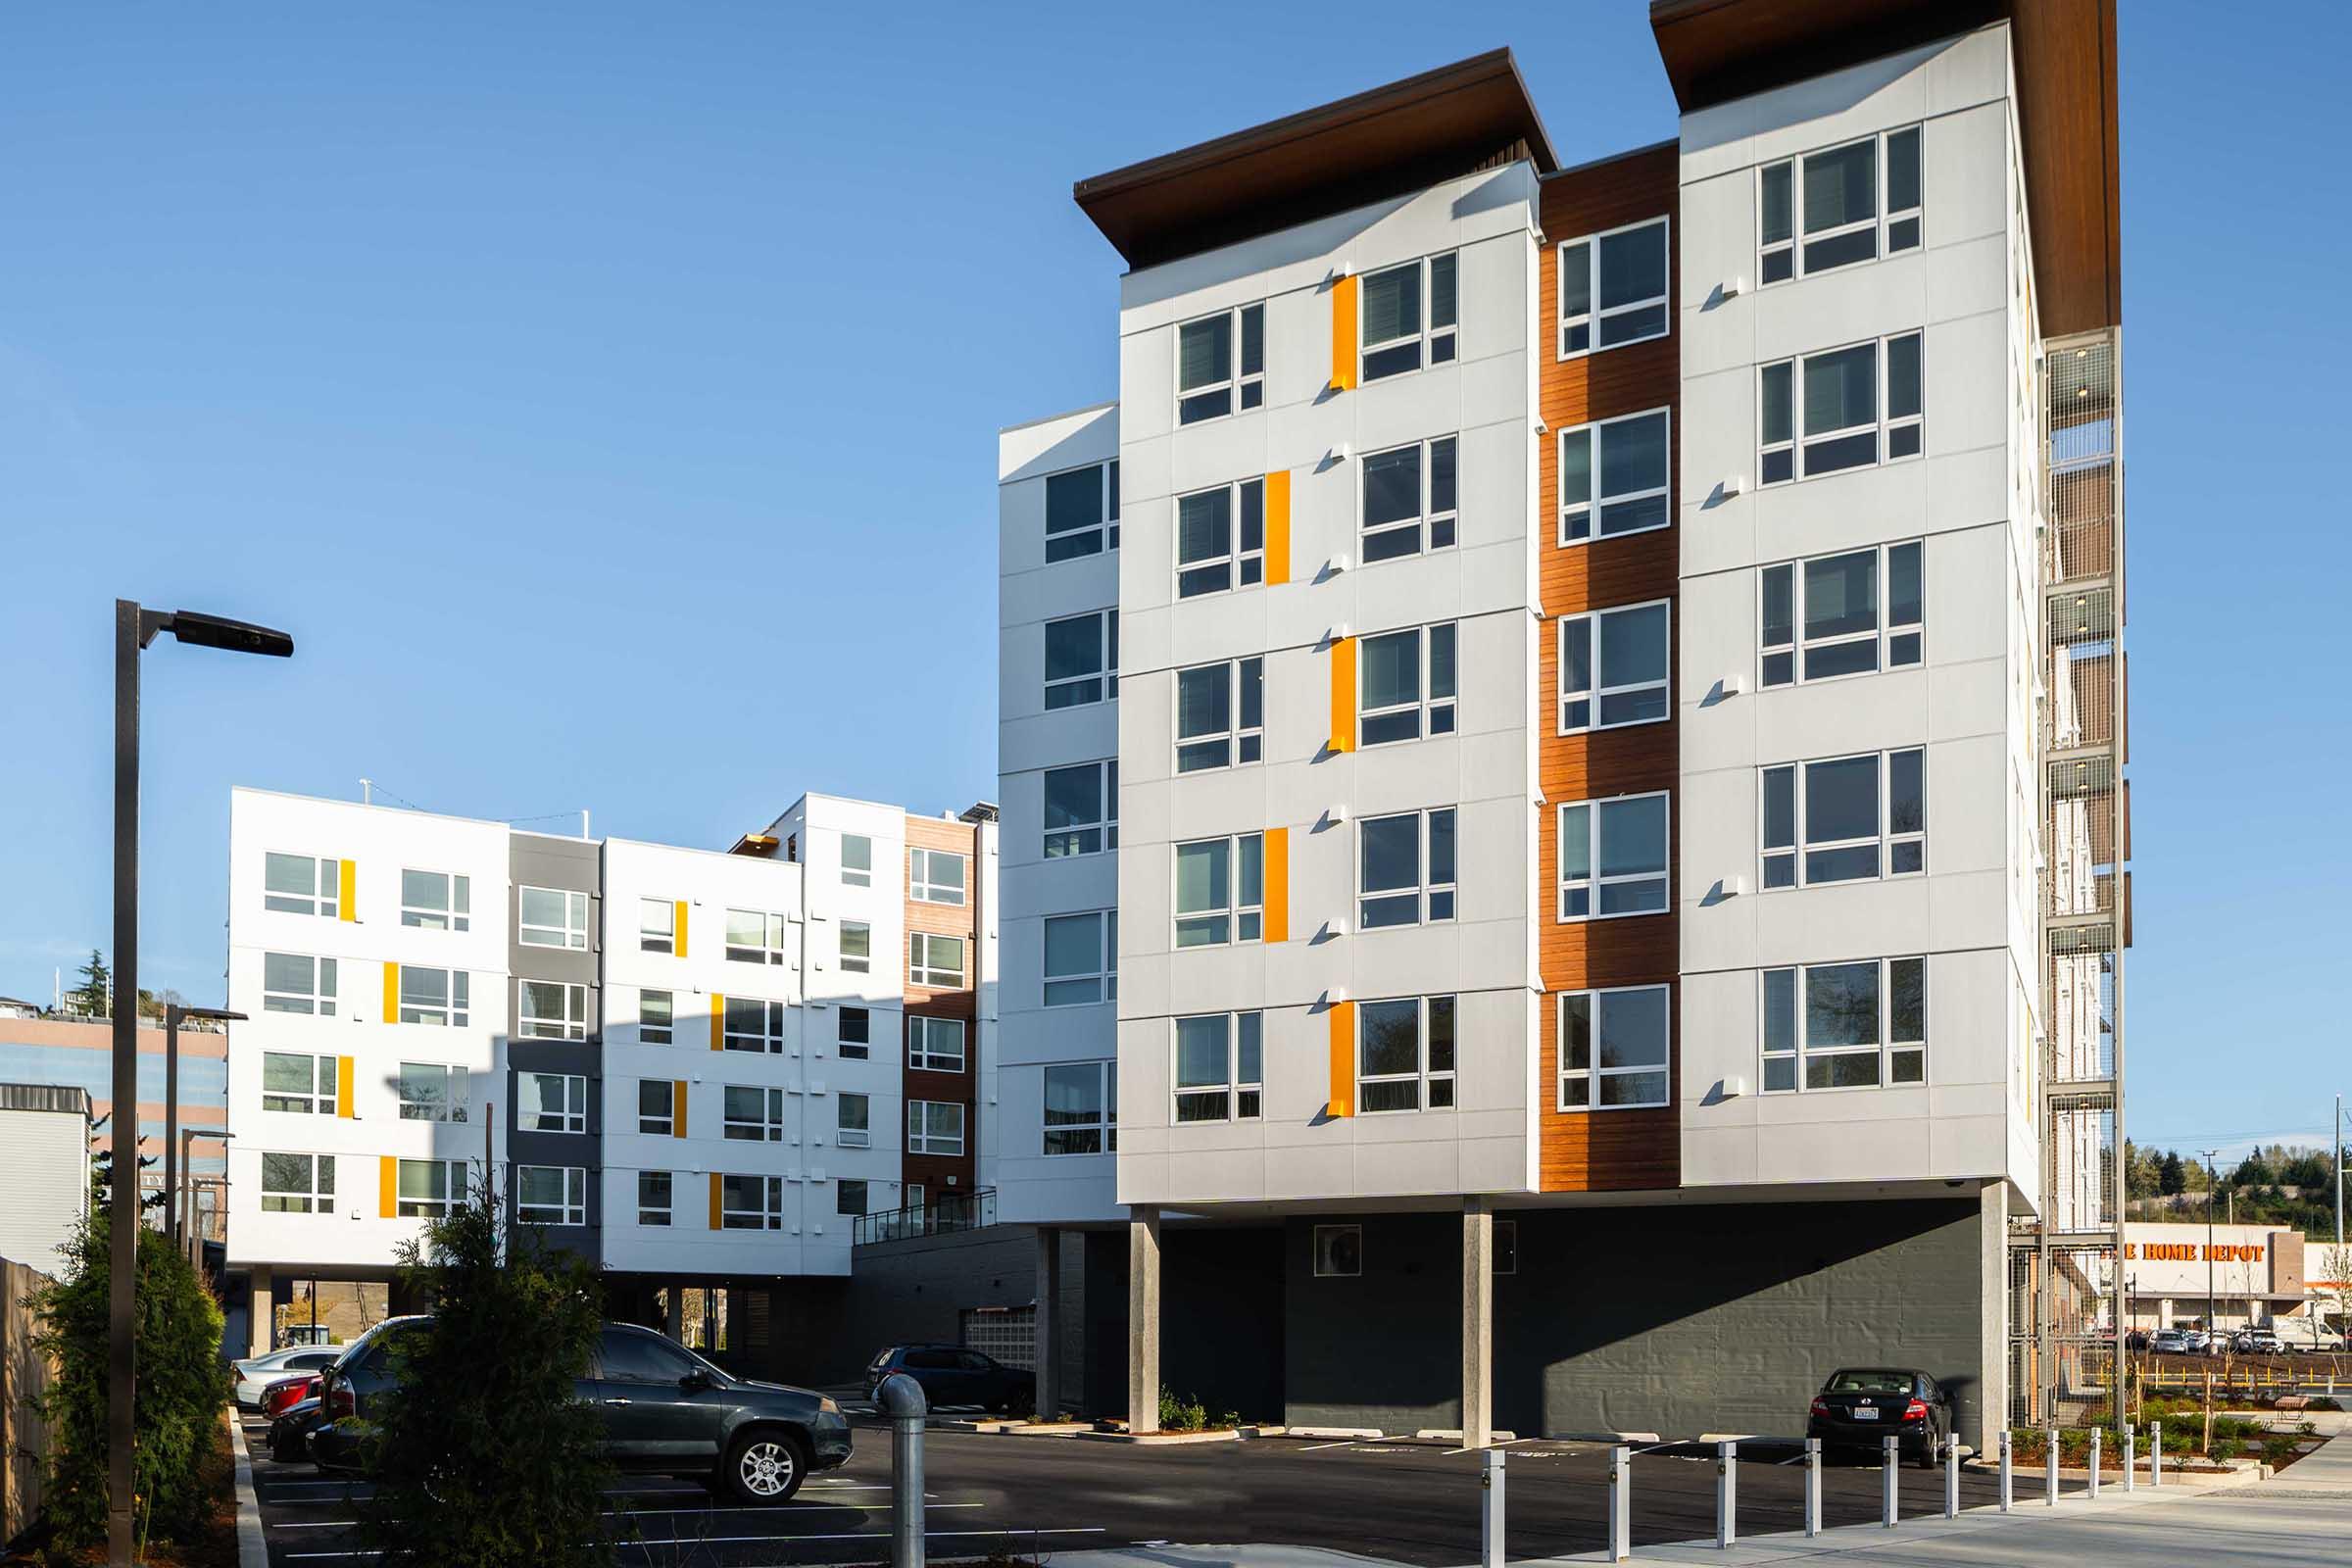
x,y
24,1376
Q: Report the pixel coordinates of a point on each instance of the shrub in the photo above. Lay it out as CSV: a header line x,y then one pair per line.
x,y
2324,1402
2224,1449
1180,1414
180,1390
2277,1448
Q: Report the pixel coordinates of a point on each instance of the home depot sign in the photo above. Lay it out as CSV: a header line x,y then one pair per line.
x,y
2186,1252
2238,1261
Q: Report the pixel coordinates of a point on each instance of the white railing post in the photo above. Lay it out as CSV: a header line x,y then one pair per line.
x,y
2049,1467
1490,1512
2131,1455
1727,1495
1951,1475
1812,1487
2007,1495
1621,1503
2095,1436
1891,1465
2155,1454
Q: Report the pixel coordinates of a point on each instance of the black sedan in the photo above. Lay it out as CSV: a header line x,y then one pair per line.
x,y
290,1431
1860,1408
952,1375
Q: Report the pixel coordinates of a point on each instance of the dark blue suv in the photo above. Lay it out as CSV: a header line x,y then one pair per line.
x,y
952,1375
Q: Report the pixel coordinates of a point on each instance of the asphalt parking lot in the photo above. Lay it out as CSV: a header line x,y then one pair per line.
x,y
1408,1502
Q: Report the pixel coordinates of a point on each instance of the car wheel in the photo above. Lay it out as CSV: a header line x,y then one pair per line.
x,y
764,1466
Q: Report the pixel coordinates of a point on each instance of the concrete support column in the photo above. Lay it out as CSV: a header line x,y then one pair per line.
x,y
1142,1318
1992,1356
1478,1322
1049,1323
265,1313
675,1315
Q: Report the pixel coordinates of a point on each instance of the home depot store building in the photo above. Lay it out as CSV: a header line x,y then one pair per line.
x,y
2252,1275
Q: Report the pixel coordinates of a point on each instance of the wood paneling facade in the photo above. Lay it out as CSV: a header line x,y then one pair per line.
x,y
944,1175
1604,1151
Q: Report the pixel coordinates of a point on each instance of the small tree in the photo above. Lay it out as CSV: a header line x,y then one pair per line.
x,y
96,988
2172,1177
482,1453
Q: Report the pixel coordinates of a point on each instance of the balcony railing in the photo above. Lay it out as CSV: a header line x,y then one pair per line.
x,y
943,1216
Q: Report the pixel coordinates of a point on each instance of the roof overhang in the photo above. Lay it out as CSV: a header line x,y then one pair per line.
x,y
1406,137
1718,50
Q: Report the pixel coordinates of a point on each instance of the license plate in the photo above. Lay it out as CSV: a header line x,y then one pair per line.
x,y
1863,1413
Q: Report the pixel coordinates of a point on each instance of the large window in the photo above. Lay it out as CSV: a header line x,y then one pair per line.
x,y
750,1024
934,1127
1404,869
1613,668
1860,405
1847,614
658,1107
857,861
656,1194
1220,714
1082,809
755,936
1405,1055
436,901
299,1082
550,1010
1860,818
1222,363
849,1196
551,1103
1082,958
1410,316
298,1184
1613,857
1613,288
854,1033
935,1045
1613,1047
1845,1025
852,1120
1405,685
294,983
1082,1107
1221,890
857,947
551,917
1410,496
935,961
657,925
1220,1067
431,1091
428,1189
656,1017
435,996
1823,211
1082,660
550,1195
301,884
1615,477
1221,539
754,1114
1082,512
935,876
751,1202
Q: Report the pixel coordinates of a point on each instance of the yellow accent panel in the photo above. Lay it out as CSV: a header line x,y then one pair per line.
x,y
387,1185
1343,695
1278,884
1343,333
719,1021
391,992
678,928
347,892
1278,526
1343,1059
677,1108
715,1225
343,1077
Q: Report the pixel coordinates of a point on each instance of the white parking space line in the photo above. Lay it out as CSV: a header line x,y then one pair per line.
x,y
864,1534
1507,1441
1344,1442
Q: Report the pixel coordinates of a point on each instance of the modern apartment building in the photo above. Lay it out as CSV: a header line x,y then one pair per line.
x,y
701,1070
1560,743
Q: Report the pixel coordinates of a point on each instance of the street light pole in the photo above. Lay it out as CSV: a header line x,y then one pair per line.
x,y
2211,1178
175,1155
190,1241
134,629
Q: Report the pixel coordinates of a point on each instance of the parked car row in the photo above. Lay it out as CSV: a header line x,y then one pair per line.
x,y
2241,1342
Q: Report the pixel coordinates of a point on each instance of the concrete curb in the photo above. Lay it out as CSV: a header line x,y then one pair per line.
x,y
253,1547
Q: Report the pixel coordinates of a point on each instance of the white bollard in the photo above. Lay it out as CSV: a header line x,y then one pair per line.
x,y
2131,1455
2049,1467
1727,1495
1490,1511
2007,1491
2155,1454
1951,1475
1621,1503
2095,1437
1812,1487
1890,1463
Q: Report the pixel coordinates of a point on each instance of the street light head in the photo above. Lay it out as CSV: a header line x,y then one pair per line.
x,y
213,1014
236,636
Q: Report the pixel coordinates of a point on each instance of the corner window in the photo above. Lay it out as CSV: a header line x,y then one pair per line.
x,y
755,935
1410,497
935,961
1220,714
1405,1055
1860,406
1404,869
1082,660
1861,817
551,1103
854,1033
1613,288
751,1024
935,1045
436,901
550,1195
1221,890
1082,512
1613,1047
935,876
1613,668
1409,317
430,1090
1221,364
549,1010
1848,614
852,1117
751,1202
435,996
1339,1251
857,861
294,983
1082,958
1221,539
934,1127
1082,1107
754,1114
656,1108
1082,809
1405,685
1220,1067
857,947
551,917
1845,1025
298,1184
299,1082
656,1017
656,1194
656,926
428,1189
301,884
1615,477
1612,856
1823,211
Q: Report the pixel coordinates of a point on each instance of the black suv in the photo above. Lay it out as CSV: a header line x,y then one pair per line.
x,y
666,1411
952,1375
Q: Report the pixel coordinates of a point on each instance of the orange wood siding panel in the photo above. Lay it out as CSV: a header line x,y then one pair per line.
x,y
1341,1023
1343,333
1278,526
952,836
1278,884
719,1021
387,1187
677,1108
678,928
1343,695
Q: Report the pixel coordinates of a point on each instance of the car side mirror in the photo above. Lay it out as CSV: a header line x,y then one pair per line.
x,y
695,1380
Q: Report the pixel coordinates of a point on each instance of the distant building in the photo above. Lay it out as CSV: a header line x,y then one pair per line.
x,y
16,1008
2226,1276
44,1168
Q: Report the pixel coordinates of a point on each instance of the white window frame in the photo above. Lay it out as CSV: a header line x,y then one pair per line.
x,y
767,1193
923,967
569,1110
769,1041
453,1011
1242,562
1238,1096
667,1117
326,879
1427,523
321,1098
1103,1128
922,883
533,1023
857,876
457,902
766,1128
1592,509
455,1093
1593,1075
1103,679
573,1210
1593,317
1098,536
667,1209
1239,744
1593,697
659,938
922,1139
1434,901
772,949
1594,882
570,936
1430,1082
1240,381
1104,828
856,962
858,1047
316,1000
1801,1051
1438,344
1902,645
1885,425
1883,223
847,1136
317,1198
1243,921
1082,988
923,1044
665,1031
1436,714
1800,850
452,1174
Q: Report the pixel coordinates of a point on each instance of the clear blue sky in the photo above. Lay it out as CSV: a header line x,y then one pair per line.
x,y
605,396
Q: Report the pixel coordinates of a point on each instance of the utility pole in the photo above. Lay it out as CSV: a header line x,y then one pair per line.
x,y
2211,1176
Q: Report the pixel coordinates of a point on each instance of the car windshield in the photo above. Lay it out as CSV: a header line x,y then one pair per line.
x,y
1869,1382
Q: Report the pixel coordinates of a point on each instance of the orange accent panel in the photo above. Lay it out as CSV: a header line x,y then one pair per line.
x,y
391,992
347,892
1278,884
1343,695
1343,333
718,1020
1278,526
1343,1059
715,1225
343,1076
677,1109
387,1185
678,930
